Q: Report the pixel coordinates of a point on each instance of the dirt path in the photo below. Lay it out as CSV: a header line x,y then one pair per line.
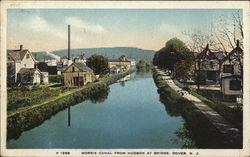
x,y
215,118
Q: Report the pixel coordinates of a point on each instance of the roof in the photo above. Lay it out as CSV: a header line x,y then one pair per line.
x,y
81,66
207,54
17,55
220,55
232,76
117,60
235,50
27,70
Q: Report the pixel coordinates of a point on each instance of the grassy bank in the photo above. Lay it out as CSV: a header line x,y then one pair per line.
x,y
198,126
211,98
28,117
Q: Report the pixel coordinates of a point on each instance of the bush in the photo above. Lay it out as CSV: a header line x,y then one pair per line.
x,y
56,78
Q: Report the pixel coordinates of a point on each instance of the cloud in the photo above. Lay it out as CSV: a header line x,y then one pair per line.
x,y
39,24
86,27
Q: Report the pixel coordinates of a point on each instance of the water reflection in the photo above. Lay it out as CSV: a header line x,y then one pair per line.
x,y
100,96
69,116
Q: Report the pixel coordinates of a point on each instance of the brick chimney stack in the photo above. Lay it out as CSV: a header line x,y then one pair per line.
x,y
21,47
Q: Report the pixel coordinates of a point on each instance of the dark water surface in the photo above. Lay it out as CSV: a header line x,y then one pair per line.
x,y
131,117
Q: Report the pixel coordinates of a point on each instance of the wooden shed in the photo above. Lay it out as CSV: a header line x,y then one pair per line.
x,y
78,74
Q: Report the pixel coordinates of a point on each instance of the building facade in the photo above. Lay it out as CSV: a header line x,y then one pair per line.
x,y
21,66
208,66
231,73
122,64
78,74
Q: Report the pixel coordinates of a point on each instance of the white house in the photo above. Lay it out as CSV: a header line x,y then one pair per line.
x,y
80,59
231,72
20,66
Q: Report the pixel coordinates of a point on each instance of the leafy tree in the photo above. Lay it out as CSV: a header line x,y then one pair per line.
x,y
98,63
176,57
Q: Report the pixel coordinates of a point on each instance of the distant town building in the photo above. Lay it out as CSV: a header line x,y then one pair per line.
x,y
65,61
21,67
78,74
51,62
80,59
122,64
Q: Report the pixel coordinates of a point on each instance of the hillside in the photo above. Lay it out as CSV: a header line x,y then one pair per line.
x,y
111,53
41,56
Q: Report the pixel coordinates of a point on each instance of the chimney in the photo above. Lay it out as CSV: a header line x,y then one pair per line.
x,y
207,46
238,43
69,42
21,47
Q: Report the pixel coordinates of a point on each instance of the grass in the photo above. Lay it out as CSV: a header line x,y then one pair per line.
x,y
199,128
214,99
28,95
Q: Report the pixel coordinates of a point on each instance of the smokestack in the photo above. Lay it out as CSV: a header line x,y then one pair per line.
x,y
69,42
21,47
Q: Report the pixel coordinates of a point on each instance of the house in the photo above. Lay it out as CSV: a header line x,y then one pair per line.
x,y
81,59
21,66
123,64
29,76
78,74
208,65
231,72
51,62
65,61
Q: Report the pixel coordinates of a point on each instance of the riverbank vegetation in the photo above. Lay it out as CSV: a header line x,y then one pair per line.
x,y
198,126
177,58
25,118
214,99
25,96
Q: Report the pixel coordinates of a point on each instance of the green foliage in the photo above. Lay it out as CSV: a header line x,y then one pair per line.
x,y
56,78
213,99
98,63
197,125
24,96
176,57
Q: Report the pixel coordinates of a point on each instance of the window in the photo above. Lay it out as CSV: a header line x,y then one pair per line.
x,y
228,69
73,69
27,56
211,75
235,85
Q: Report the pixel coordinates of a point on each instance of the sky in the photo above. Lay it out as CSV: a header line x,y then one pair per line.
x,y
46,29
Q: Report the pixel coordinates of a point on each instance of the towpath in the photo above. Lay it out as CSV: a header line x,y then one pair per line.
x,y
215,118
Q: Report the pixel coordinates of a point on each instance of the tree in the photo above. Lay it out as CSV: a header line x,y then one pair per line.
x,y
175,57
221,36
98,63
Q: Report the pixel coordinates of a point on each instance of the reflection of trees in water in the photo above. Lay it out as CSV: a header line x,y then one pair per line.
x,y
100,95
182,134
122,83
197,131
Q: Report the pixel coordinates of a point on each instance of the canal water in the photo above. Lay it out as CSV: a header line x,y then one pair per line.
x,y
132,116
